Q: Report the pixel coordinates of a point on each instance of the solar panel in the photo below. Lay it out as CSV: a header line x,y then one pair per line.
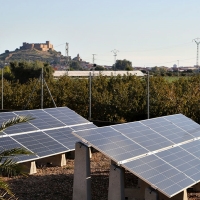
x,y
169,128
42,119
182,160
143,135
167,150
159,174
186,124
66,115
40,143
112,143
63,136
7,143
18,128
48,134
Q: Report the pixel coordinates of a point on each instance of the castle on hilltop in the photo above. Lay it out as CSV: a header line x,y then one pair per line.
x,y
39,46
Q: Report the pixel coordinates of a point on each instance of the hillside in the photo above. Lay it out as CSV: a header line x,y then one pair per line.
x,y
33,55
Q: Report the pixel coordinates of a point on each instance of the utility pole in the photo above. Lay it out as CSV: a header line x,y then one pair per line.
x,y
90,96
67,54
115,55
93,59
197,41
148,95
42,88
2,88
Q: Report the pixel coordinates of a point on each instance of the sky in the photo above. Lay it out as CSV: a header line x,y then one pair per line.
x,y
146,32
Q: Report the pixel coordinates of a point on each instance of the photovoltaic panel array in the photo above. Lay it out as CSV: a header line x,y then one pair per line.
x,y
159,174
163,151
48,134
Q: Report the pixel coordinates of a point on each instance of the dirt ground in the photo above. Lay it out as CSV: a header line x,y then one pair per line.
x,y
56,183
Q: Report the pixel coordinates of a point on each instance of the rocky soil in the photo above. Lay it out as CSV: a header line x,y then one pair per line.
x,y
52,183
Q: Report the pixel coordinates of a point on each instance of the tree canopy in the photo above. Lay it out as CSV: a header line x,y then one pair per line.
x,y
123,65
23,71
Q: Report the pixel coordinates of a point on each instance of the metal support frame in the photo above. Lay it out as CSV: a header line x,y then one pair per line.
x,y
42,87
90,96
42,80
148,95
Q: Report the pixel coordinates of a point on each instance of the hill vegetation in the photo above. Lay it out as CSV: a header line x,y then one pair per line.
x,y
50,56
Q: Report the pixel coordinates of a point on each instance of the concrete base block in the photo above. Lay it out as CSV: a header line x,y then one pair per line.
x,y
82,179
29,167
57,160
116,183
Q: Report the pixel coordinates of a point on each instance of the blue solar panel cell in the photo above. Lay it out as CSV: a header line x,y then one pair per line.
x,y
123,147
40,143
172,189
66,116
42,119
195,176
64,137
103,142
106,147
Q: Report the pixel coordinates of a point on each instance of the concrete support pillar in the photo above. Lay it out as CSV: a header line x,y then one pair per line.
x,y
90,152
116,183
29,167
82,179
59,160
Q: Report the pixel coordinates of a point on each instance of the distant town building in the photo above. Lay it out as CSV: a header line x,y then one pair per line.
x,y
84,64
77,58
39,46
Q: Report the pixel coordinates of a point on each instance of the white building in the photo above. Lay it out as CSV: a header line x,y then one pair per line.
x,y
58,74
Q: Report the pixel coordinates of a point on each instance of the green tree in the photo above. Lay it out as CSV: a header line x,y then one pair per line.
x,y
123,65
7,165
75,65
23,71
99,68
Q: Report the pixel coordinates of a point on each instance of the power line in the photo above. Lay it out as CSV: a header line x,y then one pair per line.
x,y
158,49
59,45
